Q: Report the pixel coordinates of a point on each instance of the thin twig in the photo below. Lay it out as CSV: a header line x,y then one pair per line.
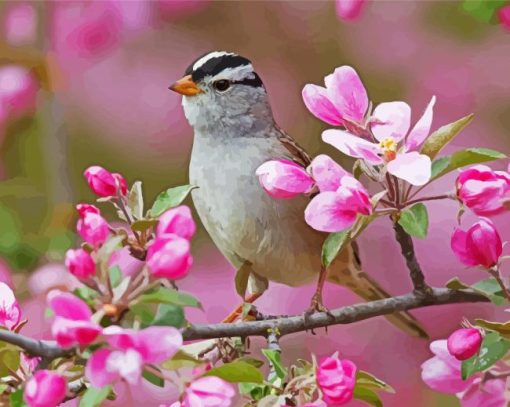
x,y
427,198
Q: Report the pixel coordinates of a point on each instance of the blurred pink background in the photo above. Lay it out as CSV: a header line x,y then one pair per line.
x,y
107,103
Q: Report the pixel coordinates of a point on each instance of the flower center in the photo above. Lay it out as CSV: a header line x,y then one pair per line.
x,y
389,148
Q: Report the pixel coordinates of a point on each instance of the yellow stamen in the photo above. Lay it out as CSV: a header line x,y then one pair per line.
x,y
388,144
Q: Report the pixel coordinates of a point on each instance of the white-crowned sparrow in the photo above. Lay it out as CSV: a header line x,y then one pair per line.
x,y
228,107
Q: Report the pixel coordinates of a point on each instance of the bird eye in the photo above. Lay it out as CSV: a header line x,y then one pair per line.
x,y
221,85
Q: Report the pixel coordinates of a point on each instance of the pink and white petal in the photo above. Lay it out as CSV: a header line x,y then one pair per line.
x,y
391,119
120,338
421,129
328,212
158,344
353,146
96,371
327,173
412,167
68,306
348,93
317,101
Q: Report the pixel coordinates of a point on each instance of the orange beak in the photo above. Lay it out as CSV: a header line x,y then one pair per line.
x,y
185,86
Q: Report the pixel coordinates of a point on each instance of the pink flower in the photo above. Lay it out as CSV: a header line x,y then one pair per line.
x,y
343,100
336,379
349,9
29,363
504,16
283,179
20,24
130,351
209,391
128,264
464,343
169,257
177,221
72,324
86,208
80,264
390,125
490,393
333,211
480,245
10,313
483,190
18,91
45,389
93,228
104,183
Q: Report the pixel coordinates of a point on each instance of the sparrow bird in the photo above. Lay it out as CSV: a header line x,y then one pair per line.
x,y
228,107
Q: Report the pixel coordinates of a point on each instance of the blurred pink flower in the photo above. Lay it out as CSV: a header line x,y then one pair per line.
x,y
336,379
51,276
283,179
128,264
177,221
72,324
480,245
20,24
343,100
45,389
86,208
169,257
18,91
349,9
464,343
29,363
504,16
490,393
5,273
390,124
10,313
104,183
333,211
210,391
80,264
93,228
483,190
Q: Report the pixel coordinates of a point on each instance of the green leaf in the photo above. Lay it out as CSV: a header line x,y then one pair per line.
x,y
169,315
503,328
152,378
483,10
237,372
163,295
3,387
10,236
415,220
333,245
442,136
493,348
367,380
255,391
460,159
169,199
252,361
488,287
94,397
115,276
135,200
85,293
142,225
9,361
181,359
144,312
275,359
16,399
367,395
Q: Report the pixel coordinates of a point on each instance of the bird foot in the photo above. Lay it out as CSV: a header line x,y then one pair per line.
x,y
316,306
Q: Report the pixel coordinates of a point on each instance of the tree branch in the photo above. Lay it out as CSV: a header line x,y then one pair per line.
x,y
48,350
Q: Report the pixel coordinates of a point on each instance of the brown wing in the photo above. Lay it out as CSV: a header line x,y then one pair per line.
x,y
299,155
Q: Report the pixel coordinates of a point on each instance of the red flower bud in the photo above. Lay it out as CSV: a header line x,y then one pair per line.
x,y
464,343
104,183
80,264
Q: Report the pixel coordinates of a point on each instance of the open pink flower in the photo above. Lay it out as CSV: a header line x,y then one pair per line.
x,y
209,391
349,9
283,179
336,378
10,313
169,257
72,324
397,147
344,100
483,190
18,91
480,245
80,263
177,221
45,389
104,183
464,343
490,393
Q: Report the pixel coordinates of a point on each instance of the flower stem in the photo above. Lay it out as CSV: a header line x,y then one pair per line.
x,y
495,273
427,198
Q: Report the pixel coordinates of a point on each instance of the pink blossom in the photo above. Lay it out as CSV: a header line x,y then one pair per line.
x,y
72,324
349,9
86,208
128,264
10,313
464,343
45,389
504,16
336,379
169,257
177,221
29,363
209,391
80,264
343,100
18,91
390,125
20,24
326,173
104,183
93,228
283,179
480,245
490,393
333,211
483,190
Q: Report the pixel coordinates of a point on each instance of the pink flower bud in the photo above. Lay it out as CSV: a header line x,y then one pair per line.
x,y
87,208
45,389
104,183
336,379
169,257
80,264
349,9
177,221
284,179
93,228
480,245
18,91
504,16
10,313
483,190
464,343
210,391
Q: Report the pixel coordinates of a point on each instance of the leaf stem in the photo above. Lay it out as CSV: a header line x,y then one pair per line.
x,y
495,273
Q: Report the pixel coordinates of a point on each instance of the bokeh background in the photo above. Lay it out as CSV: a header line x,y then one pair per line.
x,y
93,79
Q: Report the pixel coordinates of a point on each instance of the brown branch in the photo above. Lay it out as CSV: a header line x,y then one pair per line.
x,y
48,350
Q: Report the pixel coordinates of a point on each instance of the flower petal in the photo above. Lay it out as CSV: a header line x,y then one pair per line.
x,y
68,306
326,173
391,119
353,146
459,246
421,129
96,371
158,343
413,167
317,101
283,179
329,212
